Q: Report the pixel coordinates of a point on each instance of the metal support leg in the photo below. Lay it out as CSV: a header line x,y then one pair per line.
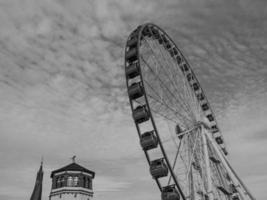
x,y
244,193
207,163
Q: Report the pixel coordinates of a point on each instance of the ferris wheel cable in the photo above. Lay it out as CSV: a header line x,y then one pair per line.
x,y
186,84
161,114
198,175
229,168
207,166
146,154
184,106
175,112
190,174
191,157
175,159
164,116
166,158
163,102
218,172
237,177
172,137
162,83
171,74
185,156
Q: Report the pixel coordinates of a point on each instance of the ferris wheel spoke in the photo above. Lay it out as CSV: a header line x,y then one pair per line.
x,y
173,66
165,87
169,66
155,111
177,101
173,84
175,112
191,156
175,159
171,100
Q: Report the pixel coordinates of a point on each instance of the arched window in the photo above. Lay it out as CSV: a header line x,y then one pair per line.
x,y
75,181
58,182
86,183
62,181
70,181
90,184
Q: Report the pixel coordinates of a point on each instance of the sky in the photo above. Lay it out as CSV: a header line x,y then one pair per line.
x,y
62,88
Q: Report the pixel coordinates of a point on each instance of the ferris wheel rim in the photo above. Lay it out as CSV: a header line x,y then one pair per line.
x,y
140,31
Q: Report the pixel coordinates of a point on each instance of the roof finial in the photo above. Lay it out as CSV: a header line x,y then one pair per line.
x,y
73,158
42,160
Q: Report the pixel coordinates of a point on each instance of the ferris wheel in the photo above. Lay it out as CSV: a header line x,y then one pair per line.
x,y
176,126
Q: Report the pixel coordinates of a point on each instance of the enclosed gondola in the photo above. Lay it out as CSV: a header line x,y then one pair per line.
x,y
170,193
158,168
149,140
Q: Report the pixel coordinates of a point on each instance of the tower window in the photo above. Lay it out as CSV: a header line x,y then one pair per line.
x,y
75,181
57,182
90,184
84,181
70,181
62,182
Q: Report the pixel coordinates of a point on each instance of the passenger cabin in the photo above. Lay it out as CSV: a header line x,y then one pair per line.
x,y
235,197
214,129
219,140
195,86
196,166
205,107
136,90
233,188
215,160
170,193
200,96
155,33
158,168
179,59
184,68
132,70
148,140
140,114
147,32
210,117
131,54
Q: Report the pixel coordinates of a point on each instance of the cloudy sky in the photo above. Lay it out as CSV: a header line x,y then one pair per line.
x,y
62,87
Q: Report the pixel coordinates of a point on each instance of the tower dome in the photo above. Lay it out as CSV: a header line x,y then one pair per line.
x,y
72,182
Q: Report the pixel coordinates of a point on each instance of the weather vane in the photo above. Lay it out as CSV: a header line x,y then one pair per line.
x,y
42,160
73,158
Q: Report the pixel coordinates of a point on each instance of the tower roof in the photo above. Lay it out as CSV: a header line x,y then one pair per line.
x,y
37,191
73,167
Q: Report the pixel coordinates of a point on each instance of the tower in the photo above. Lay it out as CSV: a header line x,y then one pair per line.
x,y
72,182
37,191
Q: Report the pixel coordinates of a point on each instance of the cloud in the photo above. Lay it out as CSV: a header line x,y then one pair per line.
x,y
62,87
108,184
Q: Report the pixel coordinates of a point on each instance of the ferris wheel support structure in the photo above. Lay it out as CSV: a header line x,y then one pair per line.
x,y
235,178
176,126
207,162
